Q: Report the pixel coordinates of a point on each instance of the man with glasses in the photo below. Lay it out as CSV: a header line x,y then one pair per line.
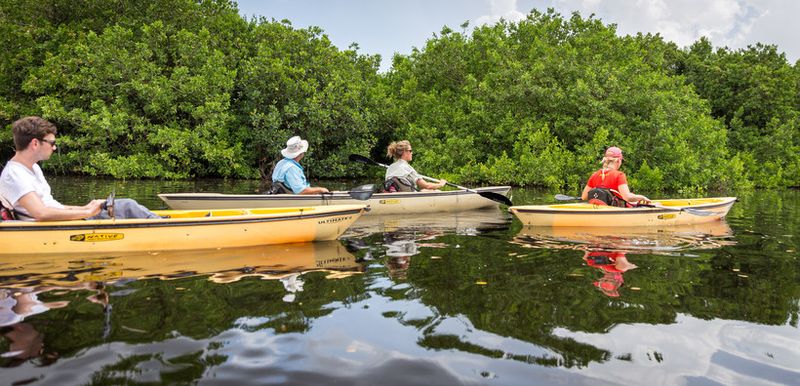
x,y
23,185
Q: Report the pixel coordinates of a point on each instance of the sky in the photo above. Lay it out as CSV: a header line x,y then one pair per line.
x,y
387,27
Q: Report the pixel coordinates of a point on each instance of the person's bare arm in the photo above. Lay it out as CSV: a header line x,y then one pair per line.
x,y
430,185
314,190
36,209
627,195
87,206
585,193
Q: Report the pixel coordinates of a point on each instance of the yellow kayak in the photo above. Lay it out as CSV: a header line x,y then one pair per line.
x,y
663,213
182,229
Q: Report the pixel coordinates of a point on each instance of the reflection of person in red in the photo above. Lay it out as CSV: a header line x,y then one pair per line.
x,y
613,264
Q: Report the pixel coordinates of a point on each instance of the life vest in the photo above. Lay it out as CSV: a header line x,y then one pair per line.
x,y
605,260
609,197
279,188
398,184
6,210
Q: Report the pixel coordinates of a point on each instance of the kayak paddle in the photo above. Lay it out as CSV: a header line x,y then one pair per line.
x,y
564,197
109,204
362,192
696,212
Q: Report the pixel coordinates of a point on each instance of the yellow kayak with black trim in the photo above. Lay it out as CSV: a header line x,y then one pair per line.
x,y
180,230
663,213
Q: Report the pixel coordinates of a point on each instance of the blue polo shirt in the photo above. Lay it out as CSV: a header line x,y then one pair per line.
x,y
291,174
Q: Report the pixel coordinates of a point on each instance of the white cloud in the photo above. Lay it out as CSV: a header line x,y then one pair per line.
x,y
718,348
501,9
383,26
724,22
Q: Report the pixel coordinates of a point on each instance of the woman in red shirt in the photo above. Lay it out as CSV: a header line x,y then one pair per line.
x,y
609,182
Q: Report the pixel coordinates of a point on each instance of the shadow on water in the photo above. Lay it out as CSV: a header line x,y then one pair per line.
x,y
469,298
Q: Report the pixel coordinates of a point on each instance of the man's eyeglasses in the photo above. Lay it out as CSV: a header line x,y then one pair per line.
x,y
410,151
52,142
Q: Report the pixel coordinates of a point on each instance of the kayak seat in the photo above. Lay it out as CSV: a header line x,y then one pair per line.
x,y
279,188
398,184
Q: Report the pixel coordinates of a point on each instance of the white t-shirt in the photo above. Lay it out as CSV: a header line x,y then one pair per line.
x,y
16,180
402,169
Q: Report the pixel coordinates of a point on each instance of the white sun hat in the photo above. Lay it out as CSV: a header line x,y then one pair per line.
x,y
294,147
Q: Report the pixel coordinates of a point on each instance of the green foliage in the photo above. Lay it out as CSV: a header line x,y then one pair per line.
x,y
185,88
755,91
179,88
297,83
537,102
112,92
648,179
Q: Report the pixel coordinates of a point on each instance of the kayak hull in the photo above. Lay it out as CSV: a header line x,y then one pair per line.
x,y
671,212
182,230
379,203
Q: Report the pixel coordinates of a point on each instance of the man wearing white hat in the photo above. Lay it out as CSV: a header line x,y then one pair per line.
x,y
288,170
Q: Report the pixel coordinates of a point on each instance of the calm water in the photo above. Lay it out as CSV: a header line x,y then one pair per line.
x,y
473,298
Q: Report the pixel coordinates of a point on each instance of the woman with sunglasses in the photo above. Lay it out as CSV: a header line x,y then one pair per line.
x,y
400,176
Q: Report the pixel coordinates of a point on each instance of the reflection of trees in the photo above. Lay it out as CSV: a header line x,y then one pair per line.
x,y
569,353
192,294
400,246
526,307
752,286
760,280
529,293
518,300
150,311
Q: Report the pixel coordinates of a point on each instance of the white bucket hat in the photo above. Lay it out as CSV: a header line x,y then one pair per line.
x,y
294,147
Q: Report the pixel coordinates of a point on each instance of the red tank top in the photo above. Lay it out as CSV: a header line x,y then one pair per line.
x,y
613,179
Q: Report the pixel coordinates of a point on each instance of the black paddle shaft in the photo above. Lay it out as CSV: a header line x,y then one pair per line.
x,y
696,212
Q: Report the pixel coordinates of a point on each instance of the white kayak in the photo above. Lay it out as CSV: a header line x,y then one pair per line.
x,y
379,203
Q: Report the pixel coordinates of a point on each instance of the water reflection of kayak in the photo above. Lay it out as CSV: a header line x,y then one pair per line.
x,y
670,238
465,223
223,265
